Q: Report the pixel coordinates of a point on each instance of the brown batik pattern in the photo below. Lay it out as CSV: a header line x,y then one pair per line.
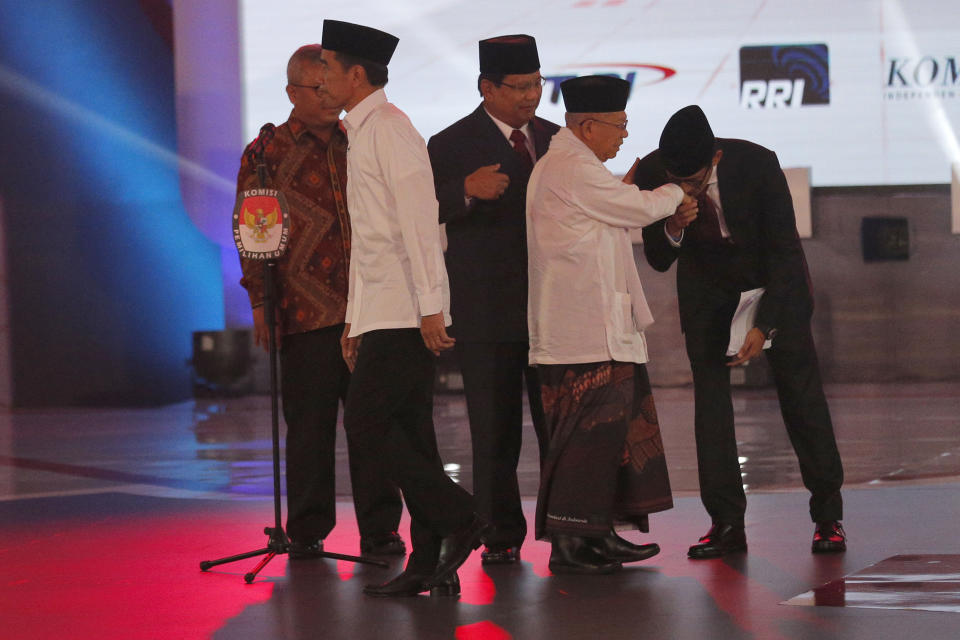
x,y
312,277
643,436
567,398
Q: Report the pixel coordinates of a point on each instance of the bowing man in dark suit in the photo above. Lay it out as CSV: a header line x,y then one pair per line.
x,y
743,237
481,165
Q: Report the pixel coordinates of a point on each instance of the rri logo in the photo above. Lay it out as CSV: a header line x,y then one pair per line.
x,y
782,76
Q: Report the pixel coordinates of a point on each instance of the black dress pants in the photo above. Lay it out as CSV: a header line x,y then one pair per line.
x,y
796,373
314,379
389,420
493,378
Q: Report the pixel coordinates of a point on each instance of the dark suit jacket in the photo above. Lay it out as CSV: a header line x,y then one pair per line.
x,y
766,250
487,241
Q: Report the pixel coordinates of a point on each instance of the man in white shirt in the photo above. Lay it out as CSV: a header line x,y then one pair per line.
x,y
398,302
587,312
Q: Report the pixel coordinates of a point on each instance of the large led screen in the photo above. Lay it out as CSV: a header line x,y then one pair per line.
x,y
863,92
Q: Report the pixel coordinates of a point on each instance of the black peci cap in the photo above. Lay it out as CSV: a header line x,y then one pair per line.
x,y
595,94
687,141
506,55
360,41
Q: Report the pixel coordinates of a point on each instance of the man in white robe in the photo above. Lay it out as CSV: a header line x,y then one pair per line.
x,y
586,313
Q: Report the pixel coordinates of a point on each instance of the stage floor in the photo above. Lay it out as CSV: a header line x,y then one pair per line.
x,y
105,515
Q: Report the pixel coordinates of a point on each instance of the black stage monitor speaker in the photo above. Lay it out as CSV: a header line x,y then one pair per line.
x,y
885,239
222,362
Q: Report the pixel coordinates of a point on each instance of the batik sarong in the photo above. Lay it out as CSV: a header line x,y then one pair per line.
x,y
605,464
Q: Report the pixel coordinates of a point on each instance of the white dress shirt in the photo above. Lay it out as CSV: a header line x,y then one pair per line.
x,y
397,274
586,303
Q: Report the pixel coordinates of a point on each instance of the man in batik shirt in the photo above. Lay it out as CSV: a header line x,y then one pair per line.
x,y
306,160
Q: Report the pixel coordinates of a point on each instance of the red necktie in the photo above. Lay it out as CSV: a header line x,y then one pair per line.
x,y
520,146
708,222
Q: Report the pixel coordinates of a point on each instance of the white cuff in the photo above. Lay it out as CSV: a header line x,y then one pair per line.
x,y
674,242
431,303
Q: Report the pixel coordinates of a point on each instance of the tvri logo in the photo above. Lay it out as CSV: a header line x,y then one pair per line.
x,y
784,76
636,73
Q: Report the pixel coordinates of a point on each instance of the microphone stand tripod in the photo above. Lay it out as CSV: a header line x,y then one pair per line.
x,y
278,543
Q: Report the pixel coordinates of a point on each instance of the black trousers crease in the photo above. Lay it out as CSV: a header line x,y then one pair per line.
x,y
494,374
803,405
314,381
389,420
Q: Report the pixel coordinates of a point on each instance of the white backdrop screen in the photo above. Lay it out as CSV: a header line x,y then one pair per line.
x,y
864,92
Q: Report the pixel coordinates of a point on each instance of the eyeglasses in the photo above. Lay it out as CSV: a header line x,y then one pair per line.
x,y
619,125
527,86
695,182
315,87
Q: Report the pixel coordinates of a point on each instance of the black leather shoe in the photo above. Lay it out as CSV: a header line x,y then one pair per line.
x,y
720,540
390,544
304,550
616,548
573,554
456,548
410,583
500,555
829,537
448,588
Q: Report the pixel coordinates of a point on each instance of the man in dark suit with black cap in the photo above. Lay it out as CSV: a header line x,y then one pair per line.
x,y
481,165
744,239
398,302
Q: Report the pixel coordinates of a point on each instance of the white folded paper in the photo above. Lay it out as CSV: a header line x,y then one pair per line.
x,y
743,319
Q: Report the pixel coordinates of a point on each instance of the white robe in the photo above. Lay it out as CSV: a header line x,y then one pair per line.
x,y
586,303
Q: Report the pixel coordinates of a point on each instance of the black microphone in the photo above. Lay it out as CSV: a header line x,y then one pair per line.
x,y
266,134
258,146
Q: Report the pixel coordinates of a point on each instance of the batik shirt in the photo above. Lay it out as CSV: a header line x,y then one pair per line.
x,y
312,274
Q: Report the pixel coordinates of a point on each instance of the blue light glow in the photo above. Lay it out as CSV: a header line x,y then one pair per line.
x,y
108,276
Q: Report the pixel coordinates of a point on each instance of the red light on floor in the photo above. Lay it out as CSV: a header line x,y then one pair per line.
x,y
345,569
485,630
476,587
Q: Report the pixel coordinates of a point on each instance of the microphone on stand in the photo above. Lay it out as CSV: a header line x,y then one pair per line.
x,y
261,217
257,148
263,138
